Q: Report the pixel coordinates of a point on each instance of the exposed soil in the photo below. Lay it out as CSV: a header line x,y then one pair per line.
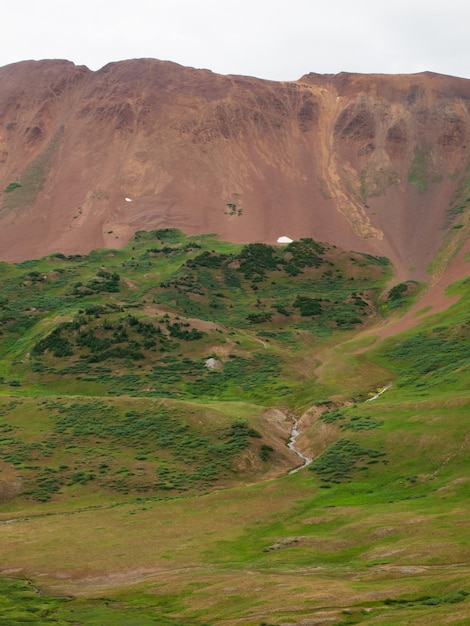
x,y
367,162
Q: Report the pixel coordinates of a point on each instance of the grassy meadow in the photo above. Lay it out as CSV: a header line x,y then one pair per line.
x,y
139,485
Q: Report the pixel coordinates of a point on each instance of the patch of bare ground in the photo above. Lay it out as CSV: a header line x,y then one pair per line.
x,y
322,618
9,489
284,543
315,435
199,324
276,427
460,450
130,283
10,484
95,582
434,299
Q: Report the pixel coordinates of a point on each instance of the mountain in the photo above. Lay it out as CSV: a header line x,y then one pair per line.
x,y
166,367
374,163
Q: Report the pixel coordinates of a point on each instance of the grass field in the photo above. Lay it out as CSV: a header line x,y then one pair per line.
x,y
140,487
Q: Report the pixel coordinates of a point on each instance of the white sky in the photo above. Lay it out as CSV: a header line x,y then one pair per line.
x,y
273,39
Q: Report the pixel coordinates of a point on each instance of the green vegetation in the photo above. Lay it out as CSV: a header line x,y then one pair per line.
x,y
140,486
402,294
118,450
31,180
11,187
24,603
460,200
450,598
102,324
422,171
101,327
232,209
341,458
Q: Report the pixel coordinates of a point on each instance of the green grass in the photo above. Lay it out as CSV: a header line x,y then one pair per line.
x,y
22,602
58,447
100,324
139,487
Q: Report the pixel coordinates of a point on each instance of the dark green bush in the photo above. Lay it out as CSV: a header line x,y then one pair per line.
x,y
308,306
11,187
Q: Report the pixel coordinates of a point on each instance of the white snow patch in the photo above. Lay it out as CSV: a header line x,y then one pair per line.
x,y
284,239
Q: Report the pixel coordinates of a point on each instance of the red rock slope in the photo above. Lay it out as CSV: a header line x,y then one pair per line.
x,y
369,162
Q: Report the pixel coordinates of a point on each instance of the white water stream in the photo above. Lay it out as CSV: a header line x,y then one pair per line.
x,y
378,394
291,445
295,432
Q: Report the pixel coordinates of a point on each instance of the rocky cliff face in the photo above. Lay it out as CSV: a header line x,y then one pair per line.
x,y
371,162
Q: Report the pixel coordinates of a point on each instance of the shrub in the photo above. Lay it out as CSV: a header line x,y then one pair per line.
x,y
341,458
258,318
11,187
397,292
58,345
265,452
256,258
308,306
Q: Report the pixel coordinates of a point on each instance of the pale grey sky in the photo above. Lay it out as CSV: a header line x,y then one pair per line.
x,y
273,39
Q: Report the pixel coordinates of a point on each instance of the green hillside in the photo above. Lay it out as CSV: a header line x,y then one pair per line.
x,y
147,397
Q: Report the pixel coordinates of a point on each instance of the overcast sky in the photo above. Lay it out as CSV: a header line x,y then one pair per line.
x,y
273,39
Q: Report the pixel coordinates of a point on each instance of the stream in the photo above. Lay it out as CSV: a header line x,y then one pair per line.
x,y
379,393
295,432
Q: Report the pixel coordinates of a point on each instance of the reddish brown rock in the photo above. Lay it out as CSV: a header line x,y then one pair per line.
x,y
369,162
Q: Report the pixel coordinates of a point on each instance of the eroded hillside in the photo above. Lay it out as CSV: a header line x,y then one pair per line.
x,y
373,163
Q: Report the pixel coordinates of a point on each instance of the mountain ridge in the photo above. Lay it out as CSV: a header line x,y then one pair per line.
x,y
376,163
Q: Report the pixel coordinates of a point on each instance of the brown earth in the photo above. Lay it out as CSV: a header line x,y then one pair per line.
x,y
368,162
